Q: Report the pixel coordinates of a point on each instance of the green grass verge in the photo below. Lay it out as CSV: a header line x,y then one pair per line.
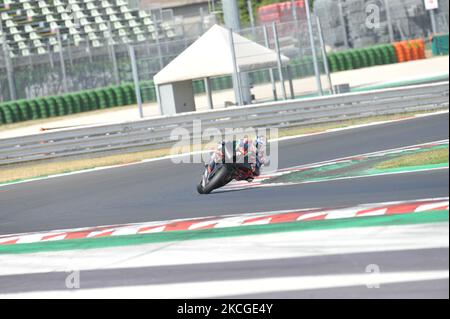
x,y
431,157
105,242
407,161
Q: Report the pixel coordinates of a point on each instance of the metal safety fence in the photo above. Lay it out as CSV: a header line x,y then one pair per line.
x,y
156,133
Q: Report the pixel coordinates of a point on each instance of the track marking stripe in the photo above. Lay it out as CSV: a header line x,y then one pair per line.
x,y
390,208
230,288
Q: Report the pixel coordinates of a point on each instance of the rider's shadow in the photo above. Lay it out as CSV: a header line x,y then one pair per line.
x,y
219,191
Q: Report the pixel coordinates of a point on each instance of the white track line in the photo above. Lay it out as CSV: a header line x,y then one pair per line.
x,y
340,159
226,288
361,126
234,187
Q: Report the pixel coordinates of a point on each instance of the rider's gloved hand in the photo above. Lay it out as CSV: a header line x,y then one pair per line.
x,y
260,141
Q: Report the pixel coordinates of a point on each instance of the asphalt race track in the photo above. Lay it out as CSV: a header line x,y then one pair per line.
x,y
162,190
409,260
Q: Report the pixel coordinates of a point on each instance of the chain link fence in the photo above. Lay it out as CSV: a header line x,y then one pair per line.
x,y
86,68
360,23
297,77
83,67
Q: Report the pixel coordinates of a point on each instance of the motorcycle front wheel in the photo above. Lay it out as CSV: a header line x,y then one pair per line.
x,y
219,179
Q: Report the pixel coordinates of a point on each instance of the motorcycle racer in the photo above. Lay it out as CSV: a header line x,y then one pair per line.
x,y
252,152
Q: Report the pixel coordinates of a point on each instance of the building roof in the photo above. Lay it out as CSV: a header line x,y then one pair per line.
x,y
211,55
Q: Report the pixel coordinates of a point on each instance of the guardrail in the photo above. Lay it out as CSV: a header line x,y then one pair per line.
x,y
155,133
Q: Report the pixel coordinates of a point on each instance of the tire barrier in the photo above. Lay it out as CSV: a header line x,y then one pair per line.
x,y
409,50
362,58
72,103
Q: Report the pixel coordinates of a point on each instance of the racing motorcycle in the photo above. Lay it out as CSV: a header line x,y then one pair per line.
x,y
231,165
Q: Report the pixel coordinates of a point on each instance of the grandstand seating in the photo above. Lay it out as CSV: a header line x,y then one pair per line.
x,y
30,27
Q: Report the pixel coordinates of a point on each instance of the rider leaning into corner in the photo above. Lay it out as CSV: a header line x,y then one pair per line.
x,y
253,150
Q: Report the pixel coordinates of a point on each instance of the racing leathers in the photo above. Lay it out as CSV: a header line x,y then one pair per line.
x,y
254,152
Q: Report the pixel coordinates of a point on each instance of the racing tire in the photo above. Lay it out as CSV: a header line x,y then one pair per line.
x,y
217,181
200,188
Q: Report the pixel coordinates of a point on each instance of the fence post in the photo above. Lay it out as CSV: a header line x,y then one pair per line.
x,y
279,61
272,78
250,13
112,51
236,73
313,48
324,55
341,18
158,44
389,21
183,31
115,68
294,10
136,80
433,21
291,84
202,20
61,60
69,51
209,93
50,56
9,70
232,20
89,51
8,65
